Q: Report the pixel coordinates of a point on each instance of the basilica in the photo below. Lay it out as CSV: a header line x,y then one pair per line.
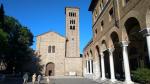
x,y
120,42
60,55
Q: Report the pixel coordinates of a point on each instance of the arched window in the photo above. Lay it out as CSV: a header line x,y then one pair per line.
x,y
73,27
49,49
70,21
102,25
73,14
111,14
53,49
70,27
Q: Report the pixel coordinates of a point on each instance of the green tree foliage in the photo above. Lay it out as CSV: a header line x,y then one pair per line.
x,y
142,75
3,41
15,42
3,35
19,41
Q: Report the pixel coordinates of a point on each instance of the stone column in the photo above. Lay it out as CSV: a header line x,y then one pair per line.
x,y
90,66
146,33
84,72
102,66
87,67
126,62
111,64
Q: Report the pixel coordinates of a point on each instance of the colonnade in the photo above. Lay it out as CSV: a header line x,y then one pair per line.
x,y
89,64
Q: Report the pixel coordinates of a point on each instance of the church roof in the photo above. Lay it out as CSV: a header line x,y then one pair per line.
x,y
50,32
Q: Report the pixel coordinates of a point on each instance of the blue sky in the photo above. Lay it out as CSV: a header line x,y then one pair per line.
x,y
49,15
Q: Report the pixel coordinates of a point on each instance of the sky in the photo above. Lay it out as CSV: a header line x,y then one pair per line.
x,y
41,16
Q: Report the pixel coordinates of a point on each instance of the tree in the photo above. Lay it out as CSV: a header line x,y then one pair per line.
x,y
19,41
15,42
3,37
1,16
3,41
142,75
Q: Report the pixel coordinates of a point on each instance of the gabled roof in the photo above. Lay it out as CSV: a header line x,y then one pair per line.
x,y
50,32
92,5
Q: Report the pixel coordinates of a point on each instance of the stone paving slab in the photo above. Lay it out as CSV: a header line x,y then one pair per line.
x,y
62,80
68,81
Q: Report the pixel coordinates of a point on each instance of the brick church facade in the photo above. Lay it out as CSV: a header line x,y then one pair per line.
x,y
60,55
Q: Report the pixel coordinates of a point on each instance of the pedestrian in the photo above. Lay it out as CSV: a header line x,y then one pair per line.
x,y
39,78
25,78
48,79
33,78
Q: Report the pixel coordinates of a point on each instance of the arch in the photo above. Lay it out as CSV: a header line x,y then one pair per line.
x,y
129,15
87,54
50,69
132,14
103,45
115,38
104,50
117,55
130,24
97,50
136,45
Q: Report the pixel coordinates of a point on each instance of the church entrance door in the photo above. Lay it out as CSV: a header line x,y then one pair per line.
x,y
50,69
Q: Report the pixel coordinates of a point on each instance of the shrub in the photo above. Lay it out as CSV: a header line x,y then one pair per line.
x,y
142,75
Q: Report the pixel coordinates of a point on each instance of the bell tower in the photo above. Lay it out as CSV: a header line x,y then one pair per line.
x,y
72,32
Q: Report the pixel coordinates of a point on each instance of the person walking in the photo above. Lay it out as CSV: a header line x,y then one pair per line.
x,y
39,78
33,78
48,79
25,78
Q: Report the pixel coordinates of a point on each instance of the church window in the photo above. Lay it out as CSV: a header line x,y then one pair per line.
x,y
69,13
102,25
73,14
53,49
70,21
111,14
70,27
95,31
73,27
74,21
49,49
